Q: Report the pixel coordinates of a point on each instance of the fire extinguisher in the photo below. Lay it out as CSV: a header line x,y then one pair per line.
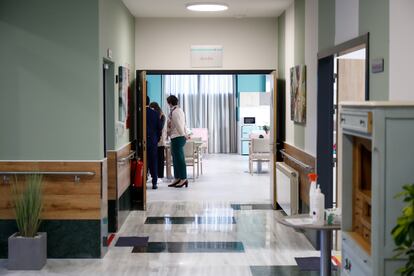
x,y
138,170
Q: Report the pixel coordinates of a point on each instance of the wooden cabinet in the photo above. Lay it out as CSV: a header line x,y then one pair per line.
x,y
377,160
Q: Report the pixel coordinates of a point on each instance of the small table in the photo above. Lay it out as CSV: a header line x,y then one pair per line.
x,y
325,239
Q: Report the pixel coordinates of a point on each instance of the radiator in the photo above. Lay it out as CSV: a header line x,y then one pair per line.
x,y
287,188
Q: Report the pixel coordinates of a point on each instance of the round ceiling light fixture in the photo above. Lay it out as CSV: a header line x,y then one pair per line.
x,y
207,7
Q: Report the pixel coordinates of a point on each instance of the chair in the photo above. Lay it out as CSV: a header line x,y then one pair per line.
x,y
190,156
259,151
199,154
258,134
203,134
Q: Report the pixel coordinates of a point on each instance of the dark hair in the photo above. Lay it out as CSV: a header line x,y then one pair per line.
x,y
172,100
156,107
148,101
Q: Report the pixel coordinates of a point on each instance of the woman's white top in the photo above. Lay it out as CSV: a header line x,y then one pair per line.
x,y
176,123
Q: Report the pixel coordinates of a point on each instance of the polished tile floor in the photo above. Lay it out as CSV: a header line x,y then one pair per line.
x,y
225,178
208,229
265,244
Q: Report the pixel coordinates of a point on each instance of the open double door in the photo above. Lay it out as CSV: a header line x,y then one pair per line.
x,y
276,110
140,137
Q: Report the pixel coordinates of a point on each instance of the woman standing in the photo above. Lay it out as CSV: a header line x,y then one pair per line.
x,y
177,131
163,138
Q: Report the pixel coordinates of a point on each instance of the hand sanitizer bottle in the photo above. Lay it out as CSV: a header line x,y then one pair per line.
x,y
318,212
312,178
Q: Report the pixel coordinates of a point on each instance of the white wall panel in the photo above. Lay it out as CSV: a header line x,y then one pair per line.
x,y
162,43
401,49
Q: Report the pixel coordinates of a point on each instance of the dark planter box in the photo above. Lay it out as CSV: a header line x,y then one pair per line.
x,y
27,253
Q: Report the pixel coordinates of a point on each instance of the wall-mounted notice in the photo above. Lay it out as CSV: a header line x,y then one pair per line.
x,y
377,65
206,56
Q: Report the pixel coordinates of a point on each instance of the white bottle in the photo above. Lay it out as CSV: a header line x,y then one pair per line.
x,y
312,177
318,213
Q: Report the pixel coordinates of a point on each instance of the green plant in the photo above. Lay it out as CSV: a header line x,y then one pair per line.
x,y
28,204
403,232
266,128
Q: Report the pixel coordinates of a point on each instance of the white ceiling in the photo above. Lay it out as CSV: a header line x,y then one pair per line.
x,y
237,8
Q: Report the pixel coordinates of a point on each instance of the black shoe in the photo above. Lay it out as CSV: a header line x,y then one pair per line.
x,y
174,183
154,187
182,183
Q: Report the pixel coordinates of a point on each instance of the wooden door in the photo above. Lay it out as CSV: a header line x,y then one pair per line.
x,y
273,138
142,133
350,87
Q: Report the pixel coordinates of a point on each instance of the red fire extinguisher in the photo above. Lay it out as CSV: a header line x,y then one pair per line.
x,y
138,170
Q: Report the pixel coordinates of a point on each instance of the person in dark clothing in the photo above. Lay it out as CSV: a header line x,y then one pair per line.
x,y
154,129
162,141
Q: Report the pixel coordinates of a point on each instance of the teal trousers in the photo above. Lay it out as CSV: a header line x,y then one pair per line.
x,y
177,153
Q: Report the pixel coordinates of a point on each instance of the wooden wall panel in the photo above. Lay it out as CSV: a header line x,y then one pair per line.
x,y
124,170
63,197
104,192
112,178
303,178
119,173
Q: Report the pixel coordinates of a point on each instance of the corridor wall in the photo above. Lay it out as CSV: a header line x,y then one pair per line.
x,y
51,107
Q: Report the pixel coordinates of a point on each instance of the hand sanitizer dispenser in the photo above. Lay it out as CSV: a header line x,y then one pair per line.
x,y
318,212
312,178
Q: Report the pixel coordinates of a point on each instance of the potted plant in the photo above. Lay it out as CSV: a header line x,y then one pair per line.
x,y
266,129
403,232
27,248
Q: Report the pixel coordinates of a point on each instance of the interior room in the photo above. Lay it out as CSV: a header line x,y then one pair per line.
x,y
266,137
225,112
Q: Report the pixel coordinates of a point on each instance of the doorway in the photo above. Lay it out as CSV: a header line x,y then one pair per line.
x,y
215,159
343,75
108,105
351,83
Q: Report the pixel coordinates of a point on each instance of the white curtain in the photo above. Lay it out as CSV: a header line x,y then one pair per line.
x,y
208,101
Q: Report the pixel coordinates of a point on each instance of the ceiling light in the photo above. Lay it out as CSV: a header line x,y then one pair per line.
x,y
206,7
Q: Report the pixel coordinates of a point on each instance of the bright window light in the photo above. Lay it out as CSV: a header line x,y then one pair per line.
x,y
207,7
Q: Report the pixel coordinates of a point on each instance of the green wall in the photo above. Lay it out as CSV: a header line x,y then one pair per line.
x,y
299,32
299,59
374,18
154,88
117,32
51,101
299,56
326,24
49,80
281,25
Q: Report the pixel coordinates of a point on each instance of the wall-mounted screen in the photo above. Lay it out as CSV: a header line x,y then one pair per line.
x,y
249,120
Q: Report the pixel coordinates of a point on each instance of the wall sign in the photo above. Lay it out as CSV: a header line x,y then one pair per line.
x,y
206,56
377,65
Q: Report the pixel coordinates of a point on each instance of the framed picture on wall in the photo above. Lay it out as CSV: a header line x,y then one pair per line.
x,y
123,87
298,94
